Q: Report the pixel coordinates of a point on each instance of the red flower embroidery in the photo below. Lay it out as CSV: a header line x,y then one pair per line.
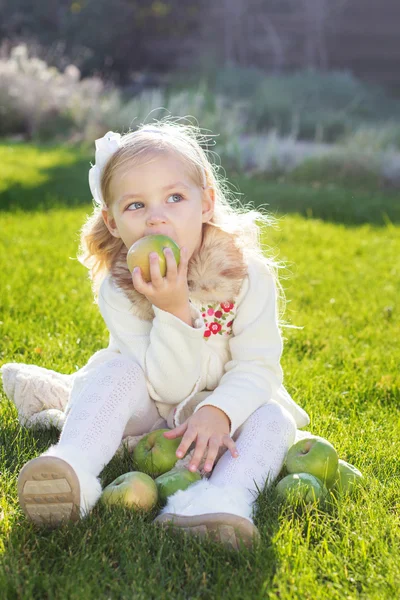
x,y
217,324
227,306
215,327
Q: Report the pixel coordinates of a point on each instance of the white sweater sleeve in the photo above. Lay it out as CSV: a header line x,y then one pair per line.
x,y
174,356
169,350
254,373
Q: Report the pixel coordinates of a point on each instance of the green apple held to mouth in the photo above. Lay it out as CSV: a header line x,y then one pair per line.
x,y
316,456
138,254
174,480
155,454
133,490
347,477
301,486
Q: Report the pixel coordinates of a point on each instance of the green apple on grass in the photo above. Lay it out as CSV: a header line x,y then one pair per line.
x,y
138,254
316,456
155,454
347,478
174,480
134,490
301,486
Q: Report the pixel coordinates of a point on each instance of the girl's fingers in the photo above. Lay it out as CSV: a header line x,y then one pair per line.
x,y
177,432
172,268
137,279
213,448
155,272
187,439
230,444
201,445
139,283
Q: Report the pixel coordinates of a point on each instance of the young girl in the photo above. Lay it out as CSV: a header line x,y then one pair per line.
x,y
197,350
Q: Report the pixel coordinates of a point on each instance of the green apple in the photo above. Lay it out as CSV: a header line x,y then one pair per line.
x,y
155,454
347,477
301,486
134,490
138,254
314,455
174,480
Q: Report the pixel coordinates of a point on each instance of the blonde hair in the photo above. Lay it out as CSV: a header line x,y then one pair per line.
x,y
99,249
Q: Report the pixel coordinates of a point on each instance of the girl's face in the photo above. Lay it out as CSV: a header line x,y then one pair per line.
x,y
158,198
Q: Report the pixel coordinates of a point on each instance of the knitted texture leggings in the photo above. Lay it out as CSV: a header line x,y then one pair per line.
x,y
114,400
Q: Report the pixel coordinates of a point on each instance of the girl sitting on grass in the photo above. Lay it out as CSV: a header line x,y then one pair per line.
x,y
197,351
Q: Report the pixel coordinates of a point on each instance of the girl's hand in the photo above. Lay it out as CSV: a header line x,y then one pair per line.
x,y
169,293
209,425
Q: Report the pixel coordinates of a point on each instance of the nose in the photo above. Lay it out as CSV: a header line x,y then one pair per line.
x,y
155,220
156,224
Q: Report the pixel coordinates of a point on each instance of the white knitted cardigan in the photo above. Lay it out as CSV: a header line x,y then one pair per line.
x,y
41,395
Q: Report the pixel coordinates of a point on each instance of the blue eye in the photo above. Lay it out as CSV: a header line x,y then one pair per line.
x,y
178,195
129,205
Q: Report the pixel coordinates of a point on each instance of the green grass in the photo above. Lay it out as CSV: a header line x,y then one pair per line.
x,y
341,284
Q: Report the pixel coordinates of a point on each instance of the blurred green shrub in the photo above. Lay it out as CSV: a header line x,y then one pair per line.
x,y
358,170
374,137
306,104
313,126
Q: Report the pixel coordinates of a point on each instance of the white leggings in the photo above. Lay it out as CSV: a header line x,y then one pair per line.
x,y
114,402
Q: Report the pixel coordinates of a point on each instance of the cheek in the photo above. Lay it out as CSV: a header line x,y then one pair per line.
x,y
129,218
195,213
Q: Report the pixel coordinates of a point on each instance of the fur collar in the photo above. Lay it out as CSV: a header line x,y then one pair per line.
x,y
215,273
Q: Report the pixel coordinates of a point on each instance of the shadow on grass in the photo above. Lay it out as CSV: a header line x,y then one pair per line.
x,y
66,186
330,203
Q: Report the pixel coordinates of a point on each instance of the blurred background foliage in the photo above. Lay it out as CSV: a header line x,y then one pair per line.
x,y
290,89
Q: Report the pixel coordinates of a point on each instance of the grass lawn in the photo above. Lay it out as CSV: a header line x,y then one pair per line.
x,y
342,284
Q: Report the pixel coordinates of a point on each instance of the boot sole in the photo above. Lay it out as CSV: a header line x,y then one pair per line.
x,y
49,491
230,530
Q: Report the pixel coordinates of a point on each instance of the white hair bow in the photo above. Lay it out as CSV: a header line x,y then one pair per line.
x,y
105,148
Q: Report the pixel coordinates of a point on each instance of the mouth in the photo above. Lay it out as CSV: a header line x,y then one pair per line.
x,y
158,233
164,234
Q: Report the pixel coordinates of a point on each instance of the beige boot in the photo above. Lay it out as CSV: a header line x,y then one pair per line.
x,y
204,509
55,487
